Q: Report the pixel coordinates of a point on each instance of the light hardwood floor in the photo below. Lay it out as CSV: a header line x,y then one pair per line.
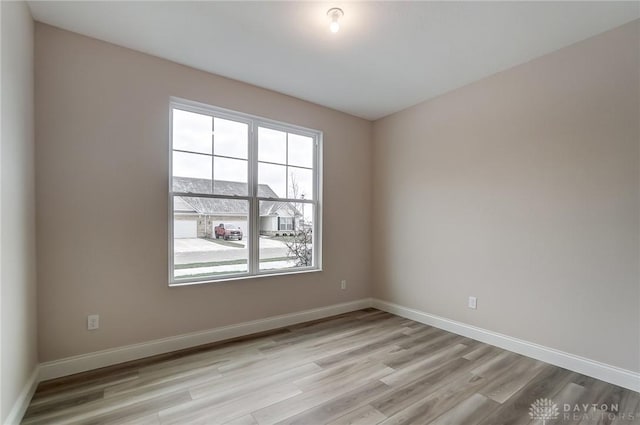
x,y
365,367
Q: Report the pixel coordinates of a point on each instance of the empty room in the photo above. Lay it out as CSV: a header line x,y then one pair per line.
x,y
317,213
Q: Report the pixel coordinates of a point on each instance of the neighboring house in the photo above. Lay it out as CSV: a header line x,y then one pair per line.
x,y
197,217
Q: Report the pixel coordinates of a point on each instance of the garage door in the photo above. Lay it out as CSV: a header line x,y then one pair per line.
x,y
185,229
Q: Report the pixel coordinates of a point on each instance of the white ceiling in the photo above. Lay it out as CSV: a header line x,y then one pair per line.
x,y
386,57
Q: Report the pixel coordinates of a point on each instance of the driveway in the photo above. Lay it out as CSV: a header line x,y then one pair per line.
x,y
196,245
195,250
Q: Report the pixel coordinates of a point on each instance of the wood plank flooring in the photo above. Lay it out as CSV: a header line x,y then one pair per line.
x,y
365,367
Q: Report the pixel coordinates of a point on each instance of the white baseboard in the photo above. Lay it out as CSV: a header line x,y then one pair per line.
x,y
612,374
98,359
20,406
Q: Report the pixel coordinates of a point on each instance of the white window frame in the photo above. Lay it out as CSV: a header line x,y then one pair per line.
x,y
254,122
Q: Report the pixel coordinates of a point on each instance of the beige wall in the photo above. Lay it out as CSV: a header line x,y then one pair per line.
x,y
521,189
17,224
101,157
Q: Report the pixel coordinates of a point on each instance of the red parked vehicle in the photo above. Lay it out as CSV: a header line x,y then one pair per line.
x,y
228,231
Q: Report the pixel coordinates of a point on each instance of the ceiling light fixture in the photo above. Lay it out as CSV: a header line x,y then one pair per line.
x,y
335,13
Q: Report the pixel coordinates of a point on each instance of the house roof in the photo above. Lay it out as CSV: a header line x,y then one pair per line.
x,y
218,206
179,205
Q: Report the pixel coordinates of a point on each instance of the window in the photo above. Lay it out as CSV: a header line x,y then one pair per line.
x,y
244,195
286,223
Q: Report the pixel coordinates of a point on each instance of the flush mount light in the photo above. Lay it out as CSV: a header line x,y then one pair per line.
x,y
335,13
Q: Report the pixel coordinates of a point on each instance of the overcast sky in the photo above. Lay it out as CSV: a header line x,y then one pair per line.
x,y
192,132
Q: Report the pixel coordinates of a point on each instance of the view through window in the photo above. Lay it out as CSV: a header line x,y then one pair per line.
x,y
244,195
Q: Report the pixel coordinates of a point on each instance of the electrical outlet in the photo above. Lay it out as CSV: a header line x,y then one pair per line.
x,y
343,284
93,322
473,302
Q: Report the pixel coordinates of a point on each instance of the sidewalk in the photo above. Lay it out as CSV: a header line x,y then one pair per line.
x,y
181,273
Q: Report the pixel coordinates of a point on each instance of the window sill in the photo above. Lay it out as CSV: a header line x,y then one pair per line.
x,y
175,284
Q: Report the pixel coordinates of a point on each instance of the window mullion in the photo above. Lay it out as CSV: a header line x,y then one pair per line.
x,y
213,161
254,205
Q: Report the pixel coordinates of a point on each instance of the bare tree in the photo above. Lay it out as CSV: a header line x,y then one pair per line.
x,y
300,247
